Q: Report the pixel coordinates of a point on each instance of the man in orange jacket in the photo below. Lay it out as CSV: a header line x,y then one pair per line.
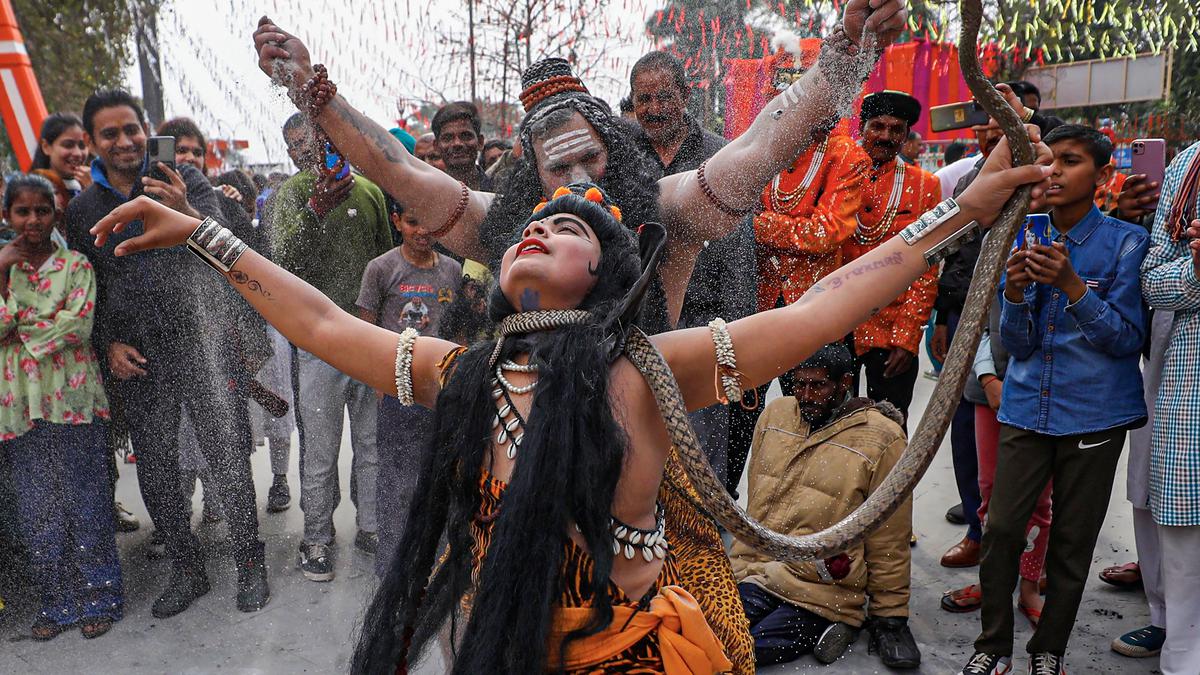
x,y
894,195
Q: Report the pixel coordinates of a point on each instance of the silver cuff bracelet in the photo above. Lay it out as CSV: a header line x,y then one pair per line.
x,y
216,245
952,243
929,221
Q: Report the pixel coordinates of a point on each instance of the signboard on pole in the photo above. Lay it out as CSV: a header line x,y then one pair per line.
x,y
21,105
1145,77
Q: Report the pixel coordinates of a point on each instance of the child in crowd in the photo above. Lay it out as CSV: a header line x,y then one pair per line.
x,y
409,286
1073,320
52,407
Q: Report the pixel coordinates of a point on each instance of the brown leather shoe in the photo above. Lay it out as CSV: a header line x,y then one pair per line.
x,y
963,554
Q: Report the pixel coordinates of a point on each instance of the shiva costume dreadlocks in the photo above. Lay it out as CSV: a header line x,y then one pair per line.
x,y
535,596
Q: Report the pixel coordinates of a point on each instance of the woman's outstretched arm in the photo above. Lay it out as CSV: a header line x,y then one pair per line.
x,y
431,195
770,343
300,312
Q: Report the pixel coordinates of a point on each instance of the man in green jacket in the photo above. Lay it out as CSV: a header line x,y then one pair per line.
x,y
326,229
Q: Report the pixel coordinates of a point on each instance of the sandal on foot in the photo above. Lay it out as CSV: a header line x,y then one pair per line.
x,y
966,599
94,628
44,629
1034,615
1128,575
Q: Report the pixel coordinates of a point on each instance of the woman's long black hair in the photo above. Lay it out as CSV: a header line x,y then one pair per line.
x,y
569,463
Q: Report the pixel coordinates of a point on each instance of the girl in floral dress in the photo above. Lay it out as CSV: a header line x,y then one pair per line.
x,y
52,412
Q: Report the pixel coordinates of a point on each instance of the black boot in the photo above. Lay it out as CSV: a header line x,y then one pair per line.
x,y
279,497
894,642
185,585
253,591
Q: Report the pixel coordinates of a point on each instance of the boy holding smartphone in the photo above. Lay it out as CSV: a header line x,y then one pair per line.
x,y
1073,320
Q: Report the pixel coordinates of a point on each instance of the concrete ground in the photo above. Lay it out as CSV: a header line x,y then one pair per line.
x,y
309,627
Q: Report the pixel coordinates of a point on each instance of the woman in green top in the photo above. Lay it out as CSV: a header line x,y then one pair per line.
x,y
52,412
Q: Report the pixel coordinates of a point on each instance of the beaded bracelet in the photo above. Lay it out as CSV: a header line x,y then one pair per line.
x,y
404,355
712,196
458,212
727,374
316,92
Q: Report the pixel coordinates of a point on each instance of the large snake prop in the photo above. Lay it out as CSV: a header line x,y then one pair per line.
x,y
924,443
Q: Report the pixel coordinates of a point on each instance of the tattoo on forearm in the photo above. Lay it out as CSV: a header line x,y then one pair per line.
x,y
242,279
893,259
383,141
811,293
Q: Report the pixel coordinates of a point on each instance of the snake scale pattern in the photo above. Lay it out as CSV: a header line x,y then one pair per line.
x,y
928,436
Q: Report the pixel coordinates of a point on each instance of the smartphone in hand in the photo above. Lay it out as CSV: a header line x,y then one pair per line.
x,y
957,116
332,159
1150,158
1037,231
159,149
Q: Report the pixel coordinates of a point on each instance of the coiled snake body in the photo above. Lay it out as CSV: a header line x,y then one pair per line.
x,y
928,436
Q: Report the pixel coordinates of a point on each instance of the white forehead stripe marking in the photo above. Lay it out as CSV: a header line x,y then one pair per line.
x,y
550,144
565,149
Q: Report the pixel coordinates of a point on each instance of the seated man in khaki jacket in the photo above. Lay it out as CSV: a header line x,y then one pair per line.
x,y
815,457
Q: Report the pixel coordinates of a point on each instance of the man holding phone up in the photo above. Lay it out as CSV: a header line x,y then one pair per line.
x,y
1073,321
159,326
328,224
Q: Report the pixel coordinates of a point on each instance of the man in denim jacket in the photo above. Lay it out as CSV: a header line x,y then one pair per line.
x,y
1073,320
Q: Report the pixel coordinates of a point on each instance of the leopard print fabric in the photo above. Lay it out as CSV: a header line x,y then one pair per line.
x,y
704,568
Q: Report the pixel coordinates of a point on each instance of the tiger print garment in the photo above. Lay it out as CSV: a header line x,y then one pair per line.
x,y
697,555
576,591
704,568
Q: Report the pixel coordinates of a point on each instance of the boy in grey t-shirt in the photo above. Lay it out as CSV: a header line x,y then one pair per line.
x,y
409,286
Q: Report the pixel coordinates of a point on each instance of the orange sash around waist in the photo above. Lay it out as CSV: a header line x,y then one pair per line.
x,y
686,641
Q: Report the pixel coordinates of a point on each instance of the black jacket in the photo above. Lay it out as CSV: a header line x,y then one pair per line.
x,y
164,296
723,282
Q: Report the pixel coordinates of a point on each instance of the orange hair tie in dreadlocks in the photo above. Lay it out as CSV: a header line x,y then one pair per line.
x,y
592,194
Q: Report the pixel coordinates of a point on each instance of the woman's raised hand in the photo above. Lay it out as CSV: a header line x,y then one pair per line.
x,y
998,179
163,227
274,44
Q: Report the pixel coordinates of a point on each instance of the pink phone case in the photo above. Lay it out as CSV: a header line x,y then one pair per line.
x,y
1150,158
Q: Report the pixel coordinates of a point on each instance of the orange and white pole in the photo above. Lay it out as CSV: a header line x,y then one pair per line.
x,y
21,105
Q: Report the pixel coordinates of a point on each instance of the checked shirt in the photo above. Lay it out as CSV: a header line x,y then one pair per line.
x,y
1169,282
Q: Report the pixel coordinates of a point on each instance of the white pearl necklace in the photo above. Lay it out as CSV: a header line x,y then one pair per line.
x,y
508,423
515,368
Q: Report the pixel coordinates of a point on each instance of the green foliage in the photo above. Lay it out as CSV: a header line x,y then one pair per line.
x,y
76,46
